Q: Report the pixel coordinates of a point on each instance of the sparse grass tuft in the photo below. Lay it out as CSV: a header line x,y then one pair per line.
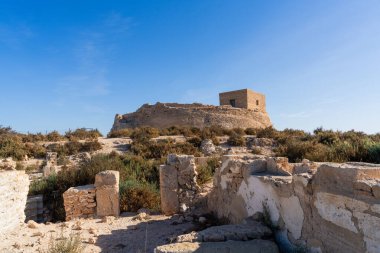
x,y
70,244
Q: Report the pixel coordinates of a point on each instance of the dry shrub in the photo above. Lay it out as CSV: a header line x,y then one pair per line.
x,y
126,132
54,136
236,140
74,147
83,134
12,146
63,244
256,151
135,195
158,150
251,131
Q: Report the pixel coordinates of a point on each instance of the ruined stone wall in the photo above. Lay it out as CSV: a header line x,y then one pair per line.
x,y
35,209
100,199
194,115
328,207
178,187
80,202
14,187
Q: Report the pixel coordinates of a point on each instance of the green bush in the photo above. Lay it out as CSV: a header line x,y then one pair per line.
x,y
131,168
12,146
374,153
206,172
135,195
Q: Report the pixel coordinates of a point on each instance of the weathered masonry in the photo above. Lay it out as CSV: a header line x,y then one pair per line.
x,y
321,207
14,186
245,98
240,108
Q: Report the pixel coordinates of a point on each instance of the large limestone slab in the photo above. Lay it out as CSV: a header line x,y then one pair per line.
x,y
342,178
107,200
169,189
241,232
107,193
279,166
254,246
14,187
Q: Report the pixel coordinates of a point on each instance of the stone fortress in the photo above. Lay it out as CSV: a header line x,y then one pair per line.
x,y
245,98
241,108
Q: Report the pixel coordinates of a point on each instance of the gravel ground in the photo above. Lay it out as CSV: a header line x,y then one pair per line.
x,y
123,234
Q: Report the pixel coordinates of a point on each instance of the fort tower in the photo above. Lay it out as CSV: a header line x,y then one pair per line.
x,y
245,98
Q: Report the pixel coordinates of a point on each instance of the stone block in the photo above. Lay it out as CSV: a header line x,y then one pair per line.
x,y
376,190
107,201
169,189
107,178
279,166
257,166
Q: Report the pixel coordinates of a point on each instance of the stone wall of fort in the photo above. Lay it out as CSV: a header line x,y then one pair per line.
x,y
163,115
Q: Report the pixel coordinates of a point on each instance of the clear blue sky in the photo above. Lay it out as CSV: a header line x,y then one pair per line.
x,y
68,64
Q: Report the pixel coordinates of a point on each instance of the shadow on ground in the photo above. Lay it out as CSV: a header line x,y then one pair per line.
x,y
143,237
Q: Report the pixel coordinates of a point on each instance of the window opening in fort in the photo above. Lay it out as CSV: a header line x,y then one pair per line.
x,y
233,102
257,102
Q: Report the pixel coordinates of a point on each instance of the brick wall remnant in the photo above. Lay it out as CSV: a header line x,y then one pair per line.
x,y
80,202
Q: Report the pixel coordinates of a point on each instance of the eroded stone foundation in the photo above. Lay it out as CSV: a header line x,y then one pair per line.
x,y
327,207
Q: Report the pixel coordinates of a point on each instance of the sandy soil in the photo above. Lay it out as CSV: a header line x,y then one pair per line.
x,y
123,234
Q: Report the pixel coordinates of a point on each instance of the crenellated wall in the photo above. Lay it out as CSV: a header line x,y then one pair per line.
x,y
327,207
14,187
